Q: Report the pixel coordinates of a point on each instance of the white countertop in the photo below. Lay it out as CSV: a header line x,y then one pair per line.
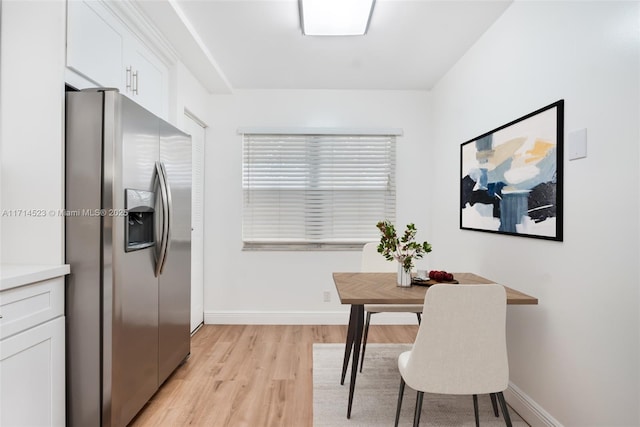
x,y
14,275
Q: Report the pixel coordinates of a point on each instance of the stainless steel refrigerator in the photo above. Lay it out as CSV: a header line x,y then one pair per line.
x,y
128,242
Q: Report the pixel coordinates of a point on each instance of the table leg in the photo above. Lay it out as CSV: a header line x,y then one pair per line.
x,y
357,342
351,333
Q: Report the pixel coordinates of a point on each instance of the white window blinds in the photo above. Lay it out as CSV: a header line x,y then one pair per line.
x,y
316,191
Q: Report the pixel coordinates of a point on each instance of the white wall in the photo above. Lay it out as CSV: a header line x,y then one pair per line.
x,y
287,287
31,133
188,93
577,353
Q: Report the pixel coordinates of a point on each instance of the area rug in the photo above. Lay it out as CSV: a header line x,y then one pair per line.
x,y
376,394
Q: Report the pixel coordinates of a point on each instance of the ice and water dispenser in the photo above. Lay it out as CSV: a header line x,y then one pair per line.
x,y
139,230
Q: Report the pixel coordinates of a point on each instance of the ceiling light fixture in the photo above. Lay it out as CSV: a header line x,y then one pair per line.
x,y
335,17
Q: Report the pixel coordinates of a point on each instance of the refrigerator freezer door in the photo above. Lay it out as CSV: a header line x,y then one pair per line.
x,y
175,280
134,316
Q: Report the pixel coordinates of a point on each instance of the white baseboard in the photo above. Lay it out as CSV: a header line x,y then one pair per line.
x,y
300,318
528,409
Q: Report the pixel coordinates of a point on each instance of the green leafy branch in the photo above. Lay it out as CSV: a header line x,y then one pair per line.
x,y
404,249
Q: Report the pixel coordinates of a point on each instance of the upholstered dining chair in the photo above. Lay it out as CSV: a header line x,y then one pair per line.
x,y
374,262
460,347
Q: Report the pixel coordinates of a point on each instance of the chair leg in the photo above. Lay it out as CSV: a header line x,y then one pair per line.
x,y
400,395
475,409
416,416
505,411
494,403
419,318
364,338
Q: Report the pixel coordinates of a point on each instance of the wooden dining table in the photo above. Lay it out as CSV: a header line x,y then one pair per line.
x,y
358,289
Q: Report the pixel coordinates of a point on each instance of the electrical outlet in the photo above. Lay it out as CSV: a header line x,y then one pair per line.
x,y
326,296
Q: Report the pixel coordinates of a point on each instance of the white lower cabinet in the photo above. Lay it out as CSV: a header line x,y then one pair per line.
x,y
32,377
32,355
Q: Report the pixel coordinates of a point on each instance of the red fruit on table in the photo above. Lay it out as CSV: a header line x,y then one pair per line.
x,y
440,276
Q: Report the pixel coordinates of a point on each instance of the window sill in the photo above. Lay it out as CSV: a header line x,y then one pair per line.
x,y
311,247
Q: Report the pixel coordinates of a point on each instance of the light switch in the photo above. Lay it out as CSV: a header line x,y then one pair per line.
x,y
577,144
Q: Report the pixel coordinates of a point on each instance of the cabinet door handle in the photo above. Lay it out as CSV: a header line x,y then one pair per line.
x,y
128,79
135,82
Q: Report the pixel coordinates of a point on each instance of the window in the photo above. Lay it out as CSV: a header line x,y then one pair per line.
x,y
316,191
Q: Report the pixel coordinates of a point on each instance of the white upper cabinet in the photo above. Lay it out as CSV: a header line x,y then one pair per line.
x,y
94,46
102,51
145,78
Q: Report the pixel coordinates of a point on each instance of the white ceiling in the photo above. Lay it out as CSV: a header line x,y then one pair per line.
x,y
258,44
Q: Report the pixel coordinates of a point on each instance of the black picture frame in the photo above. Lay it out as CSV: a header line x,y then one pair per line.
x,y
512,177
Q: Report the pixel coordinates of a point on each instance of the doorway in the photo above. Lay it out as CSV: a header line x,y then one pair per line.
x,y
197,129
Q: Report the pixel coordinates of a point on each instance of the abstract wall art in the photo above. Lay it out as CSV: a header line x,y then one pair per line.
x,y
511,177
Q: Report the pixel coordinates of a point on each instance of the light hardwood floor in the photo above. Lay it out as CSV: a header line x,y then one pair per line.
x,y
250,375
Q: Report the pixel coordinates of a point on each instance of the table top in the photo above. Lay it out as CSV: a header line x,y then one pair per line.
x,y
381,288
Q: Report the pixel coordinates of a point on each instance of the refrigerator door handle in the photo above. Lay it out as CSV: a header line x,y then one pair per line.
x,y
169,210
160,255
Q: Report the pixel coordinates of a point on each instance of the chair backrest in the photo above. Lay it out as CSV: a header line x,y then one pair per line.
x,y
461,343
374,262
